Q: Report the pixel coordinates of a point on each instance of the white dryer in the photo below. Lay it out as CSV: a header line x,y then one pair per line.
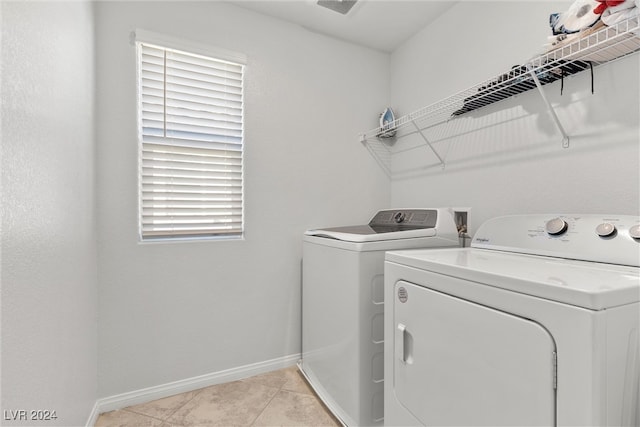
x,y
536,324
343,305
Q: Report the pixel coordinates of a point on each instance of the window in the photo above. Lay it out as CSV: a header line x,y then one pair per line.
x,y
191,144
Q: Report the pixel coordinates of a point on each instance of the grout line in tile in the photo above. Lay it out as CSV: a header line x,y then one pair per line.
x,y
143,415
170,414
195,394
267,405
317,398
278,390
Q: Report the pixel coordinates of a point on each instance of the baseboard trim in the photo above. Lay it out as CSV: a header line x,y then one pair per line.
x,y
148,394
93,416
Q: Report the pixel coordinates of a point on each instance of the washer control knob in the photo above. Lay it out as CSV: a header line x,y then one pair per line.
x,y
399,217
606,229
556,226
635,231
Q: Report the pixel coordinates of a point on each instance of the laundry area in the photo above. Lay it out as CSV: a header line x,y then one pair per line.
x,y
333,212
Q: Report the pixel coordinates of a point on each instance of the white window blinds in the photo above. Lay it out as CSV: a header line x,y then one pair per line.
x,y
191,133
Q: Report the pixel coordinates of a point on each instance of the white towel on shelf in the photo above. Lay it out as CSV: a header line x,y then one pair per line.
x,y
627,4
613,15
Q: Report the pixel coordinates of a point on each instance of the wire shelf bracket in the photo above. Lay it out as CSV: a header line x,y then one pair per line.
x,y
565,136
442,163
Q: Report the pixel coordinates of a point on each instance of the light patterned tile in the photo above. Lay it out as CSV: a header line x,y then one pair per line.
x,y
275,379
296,382
254,399
288,379
295,409
163,408
237,403
123,418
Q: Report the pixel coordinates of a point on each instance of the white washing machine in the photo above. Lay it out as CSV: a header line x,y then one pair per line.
x,y
536,324
343,305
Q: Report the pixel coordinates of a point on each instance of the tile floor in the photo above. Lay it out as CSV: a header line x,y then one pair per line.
x,y
279,398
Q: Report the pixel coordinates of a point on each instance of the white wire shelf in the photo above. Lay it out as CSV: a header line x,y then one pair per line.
x,y
584,51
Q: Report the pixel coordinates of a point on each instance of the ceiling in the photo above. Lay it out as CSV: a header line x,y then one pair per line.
x,y
377,24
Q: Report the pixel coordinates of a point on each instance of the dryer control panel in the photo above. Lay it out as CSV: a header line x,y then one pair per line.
x,y
613,239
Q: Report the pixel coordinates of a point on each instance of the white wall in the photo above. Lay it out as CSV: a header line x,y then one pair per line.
x,y
517,165
49,273
173,311
176,310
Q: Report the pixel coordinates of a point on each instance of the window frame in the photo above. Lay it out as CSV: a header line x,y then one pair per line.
x,y
139,38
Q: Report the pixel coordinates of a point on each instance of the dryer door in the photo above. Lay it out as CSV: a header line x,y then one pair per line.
x,y
461,363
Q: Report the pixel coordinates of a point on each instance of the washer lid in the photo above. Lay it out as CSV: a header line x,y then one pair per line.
x,y
595,286
386,225
366,233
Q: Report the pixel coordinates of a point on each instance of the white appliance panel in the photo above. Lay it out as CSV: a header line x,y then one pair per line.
x,y
564,236
582,283
576,276
460,363
343,309
343,339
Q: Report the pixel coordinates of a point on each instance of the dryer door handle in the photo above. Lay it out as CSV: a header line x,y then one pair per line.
x,y
404,342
